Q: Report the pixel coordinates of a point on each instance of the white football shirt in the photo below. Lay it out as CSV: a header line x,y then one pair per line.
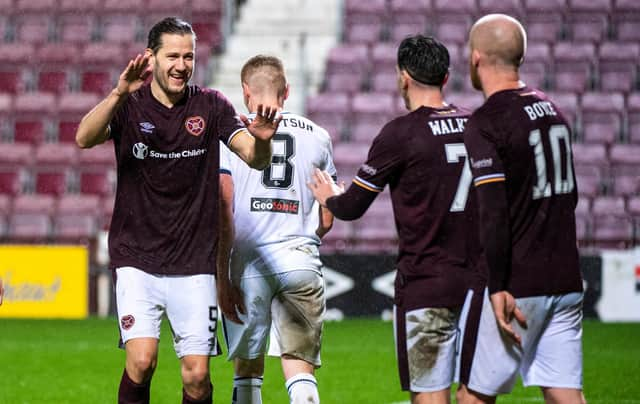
x,y
275,213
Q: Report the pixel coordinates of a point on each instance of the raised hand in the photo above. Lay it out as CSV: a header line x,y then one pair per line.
x,y
323,187
265,124
230,300
505,309
136,72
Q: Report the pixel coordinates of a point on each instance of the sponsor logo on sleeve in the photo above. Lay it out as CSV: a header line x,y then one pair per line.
x,y
275,205
195,125
369,170
482,163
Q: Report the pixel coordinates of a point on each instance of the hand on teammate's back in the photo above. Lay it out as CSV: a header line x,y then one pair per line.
x,y
504,306
134,75
323,186
265,123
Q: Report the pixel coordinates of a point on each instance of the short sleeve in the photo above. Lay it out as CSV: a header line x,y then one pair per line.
x,y
482,149
386,157
228,121
225,159
118,121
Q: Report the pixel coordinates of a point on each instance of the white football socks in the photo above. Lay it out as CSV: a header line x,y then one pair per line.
x,y
303,389
247,390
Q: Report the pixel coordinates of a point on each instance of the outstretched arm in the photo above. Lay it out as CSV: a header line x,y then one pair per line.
x,y
94,127
326,221
229,295
254,145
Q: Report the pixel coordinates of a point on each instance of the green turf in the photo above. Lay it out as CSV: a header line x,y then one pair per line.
x,y
77,362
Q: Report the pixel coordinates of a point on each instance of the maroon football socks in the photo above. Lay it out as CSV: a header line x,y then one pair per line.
x,y
131,392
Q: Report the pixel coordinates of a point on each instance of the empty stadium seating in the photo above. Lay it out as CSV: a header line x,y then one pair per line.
x,y
584,54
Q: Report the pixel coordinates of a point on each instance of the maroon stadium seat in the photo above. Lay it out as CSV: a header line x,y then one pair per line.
x,y
373,109
469,100
633,116
567,102
573,65
34,203
617,65
167,6
590,179
384,57
589,19
611,231
544,20
15,155
78,203
96,182
341,82
511,7
626,18
97,81
602,117
51,181
53,81
74,228
11,181
625,169
35,6
373,12
453,28
12,81
609,205
119,7
101,157
348,58
34,28
367,33
330,110
5,203
208,32
29,227
120,28
71,108
408,17
79,6
56,155
385,82
537,63
33,111
77,28
401,30
348,157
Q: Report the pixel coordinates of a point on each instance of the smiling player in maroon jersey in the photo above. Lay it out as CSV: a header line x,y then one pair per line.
x,y
164,230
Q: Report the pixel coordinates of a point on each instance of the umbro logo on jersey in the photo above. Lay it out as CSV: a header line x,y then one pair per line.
x,y
274,205
146,127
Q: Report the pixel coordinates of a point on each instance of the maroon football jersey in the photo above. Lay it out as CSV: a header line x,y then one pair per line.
x,y
422,157
165,218
520,137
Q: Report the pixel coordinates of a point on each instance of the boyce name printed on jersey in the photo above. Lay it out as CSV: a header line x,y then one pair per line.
x,y
275,205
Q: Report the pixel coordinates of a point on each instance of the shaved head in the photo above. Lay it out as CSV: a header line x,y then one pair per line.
x,y
501,38
264,75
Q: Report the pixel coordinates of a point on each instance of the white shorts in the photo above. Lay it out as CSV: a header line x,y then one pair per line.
x,y
294,302
189,303
426,341
551,352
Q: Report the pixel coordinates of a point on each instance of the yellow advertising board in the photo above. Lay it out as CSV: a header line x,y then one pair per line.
x,y
44,281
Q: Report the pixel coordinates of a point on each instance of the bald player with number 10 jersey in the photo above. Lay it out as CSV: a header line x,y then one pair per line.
x,y
275,259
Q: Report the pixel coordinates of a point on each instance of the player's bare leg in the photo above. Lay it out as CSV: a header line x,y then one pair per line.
x,y
247,381
195,379
435,397
467,396
300,381
555,395
141,360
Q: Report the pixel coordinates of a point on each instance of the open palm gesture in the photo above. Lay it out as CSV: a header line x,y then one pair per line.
x,y
132,78
265,123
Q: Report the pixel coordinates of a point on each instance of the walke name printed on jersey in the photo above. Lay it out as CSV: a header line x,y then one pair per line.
x,y
275,205
447,126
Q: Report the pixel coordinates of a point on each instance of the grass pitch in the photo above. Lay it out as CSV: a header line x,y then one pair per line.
x,y
56,361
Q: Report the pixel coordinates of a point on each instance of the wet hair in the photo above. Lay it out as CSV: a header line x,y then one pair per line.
x,y
272,68
169,25
425,59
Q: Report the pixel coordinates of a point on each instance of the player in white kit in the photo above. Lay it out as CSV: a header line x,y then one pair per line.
x,y
275,260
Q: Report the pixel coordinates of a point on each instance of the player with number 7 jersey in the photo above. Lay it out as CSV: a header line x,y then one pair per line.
x,y
422,158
